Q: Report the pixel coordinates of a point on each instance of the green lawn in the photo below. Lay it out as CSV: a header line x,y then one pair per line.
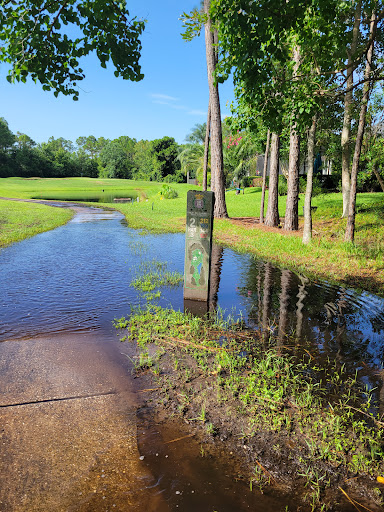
x,y
20,220
360,265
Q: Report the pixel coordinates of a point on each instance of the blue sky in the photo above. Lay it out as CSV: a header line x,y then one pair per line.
x,y
171,99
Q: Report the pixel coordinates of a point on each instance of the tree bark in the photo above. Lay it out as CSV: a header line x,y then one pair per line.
x,y
264,178
348,102
217,165
291,222
206,148
350,229
379,179
307,233
272,218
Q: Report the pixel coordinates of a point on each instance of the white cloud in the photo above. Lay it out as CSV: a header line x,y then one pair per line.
x,y
197,113
164,97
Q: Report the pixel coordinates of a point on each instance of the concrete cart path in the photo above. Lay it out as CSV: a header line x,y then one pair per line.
x,y
68,428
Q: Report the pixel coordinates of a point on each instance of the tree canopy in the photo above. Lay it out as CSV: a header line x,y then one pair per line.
x,y
46,40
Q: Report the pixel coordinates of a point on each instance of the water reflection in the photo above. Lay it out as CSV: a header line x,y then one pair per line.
x,y
77,277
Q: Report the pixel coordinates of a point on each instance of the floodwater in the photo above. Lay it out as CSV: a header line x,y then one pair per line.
x,y
76,279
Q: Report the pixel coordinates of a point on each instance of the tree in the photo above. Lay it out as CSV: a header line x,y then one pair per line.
x,y
165,161
217,167
115,161
291,221
193,24
37,40
348,106
197,134
90,145
24,141
272,218
143,160
265,167
191,158
206,148
350,229
307,232
7,138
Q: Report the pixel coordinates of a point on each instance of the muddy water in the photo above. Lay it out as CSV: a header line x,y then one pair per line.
x,y
74,280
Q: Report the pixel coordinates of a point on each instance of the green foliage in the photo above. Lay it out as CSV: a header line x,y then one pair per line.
x,y
197,134
191,158
193,23
116,158
264,382
168,192
283,185
165,161
154,274
7,138
36,41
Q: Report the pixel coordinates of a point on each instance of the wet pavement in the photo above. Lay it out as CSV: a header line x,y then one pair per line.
x,y
68,428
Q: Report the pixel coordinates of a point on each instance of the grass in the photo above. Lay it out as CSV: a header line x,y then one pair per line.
x,y
20,220
360,264
318,419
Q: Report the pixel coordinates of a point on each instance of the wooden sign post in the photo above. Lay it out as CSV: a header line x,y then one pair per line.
x,y
198,245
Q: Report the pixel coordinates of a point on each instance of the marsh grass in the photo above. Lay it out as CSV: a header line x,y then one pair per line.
x,y
323,413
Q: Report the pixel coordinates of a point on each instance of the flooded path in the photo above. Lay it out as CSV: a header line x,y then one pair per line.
x,y
70,436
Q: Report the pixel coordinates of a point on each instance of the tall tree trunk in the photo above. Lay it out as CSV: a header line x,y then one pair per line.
x,y
291,222
272,218
264,178
307,233
379,178
348,103
206,148
350,229
217,166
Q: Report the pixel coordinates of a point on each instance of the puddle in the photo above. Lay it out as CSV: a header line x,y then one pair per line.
x,y
189,478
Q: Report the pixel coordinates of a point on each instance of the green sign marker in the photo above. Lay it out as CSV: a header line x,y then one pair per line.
x,y
198,244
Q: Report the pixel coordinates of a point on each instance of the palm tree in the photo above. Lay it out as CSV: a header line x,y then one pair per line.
x,y
191,158
197,134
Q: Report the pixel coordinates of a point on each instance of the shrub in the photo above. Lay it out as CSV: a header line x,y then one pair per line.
x,y
168,192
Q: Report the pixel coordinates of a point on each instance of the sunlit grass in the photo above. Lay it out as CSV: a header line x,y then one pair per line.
x,y
321,415
20,220
360,264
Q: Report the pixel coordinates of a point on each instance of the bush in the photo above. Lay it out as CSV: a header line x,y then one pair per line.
x,y
247,181
168,192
